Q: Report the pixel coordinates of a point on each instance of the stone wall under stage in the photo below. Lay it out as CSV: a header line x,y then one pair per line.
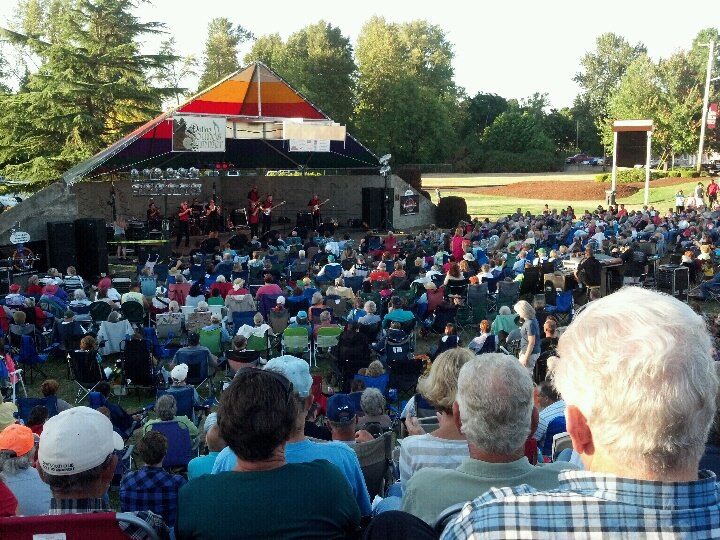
x,y
89,199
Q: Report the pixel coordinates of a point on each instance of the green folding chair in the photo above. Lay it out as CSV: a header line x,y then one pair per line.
x,y
327,338
296,341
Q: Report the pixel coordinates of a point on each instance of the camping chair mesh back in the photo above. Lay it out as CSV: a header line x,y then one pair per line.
x,y
241,318
327,338
380,382
296,341
198,363
241,359
25,405
375,459
137,364
133,311
260,344
85,372
179,443
212,339
197,320
478,301
338,305
29,357
508,293
184,399
278,320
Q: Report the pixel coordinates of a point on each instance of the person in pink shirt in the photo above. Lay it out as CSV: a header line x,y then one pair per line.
x,y
268,288
457,244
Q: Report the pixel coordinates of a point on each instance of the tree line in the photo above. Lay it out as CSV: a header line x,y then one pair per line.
x,y
75,80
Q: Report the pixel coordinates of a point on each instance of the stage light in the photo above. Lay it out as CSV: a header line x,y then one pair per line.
x,y
194,172
169,172
157,173
134,174
147,174
182,172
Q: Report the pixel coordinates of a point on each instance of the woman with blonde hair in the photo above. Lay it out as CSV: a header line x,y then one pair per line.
x,y
529,335
445,447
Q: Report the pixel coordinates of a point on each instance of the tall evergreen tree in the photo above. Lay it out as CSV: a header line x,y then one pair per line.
x,y
90,90
220,58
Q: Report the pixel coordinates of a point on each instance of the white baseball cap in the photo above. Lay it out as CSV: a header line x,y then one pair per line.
x,y
179,372
76,440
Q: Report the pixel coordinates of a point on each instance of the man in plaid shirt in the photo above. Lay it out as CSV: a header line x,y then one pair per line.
x,y
77,460
639,382
152,488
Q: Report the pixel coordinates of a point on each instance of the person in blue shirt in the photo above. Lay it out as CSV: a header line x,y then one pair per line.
x,y
204,464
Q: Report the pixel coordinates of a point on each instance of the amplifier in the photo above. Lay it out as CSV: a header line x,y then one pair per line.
x,y
561,280
674,280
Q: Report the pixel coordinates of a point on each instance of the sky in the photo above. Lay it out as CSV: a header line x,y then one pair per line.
x,y
510,48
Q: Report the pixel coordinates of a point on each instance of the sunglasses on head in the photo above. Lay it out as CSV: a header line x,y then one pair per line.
x,y
283,381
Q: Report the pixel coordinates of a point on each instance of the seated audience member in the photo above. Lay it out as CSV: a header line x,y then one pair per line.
x,y
504,321
14,299
215,323
301,321
39,414
372,404
268,287
72,281
329,272
396,312
259,329
194,296
551,337
193,344
166,410
134,295
339,289
204,464
17,453
259,412
300,449
371,317
67,332
641,477
445,447
551,406
485,342
123,422
493,408
325,322
215,298
152,487
380,274
50,387
312,430
33,285
449,340
341,418
77,460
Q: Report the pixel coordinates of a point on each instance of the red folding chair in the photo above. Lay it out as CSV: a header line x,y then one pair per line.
x,y
105,525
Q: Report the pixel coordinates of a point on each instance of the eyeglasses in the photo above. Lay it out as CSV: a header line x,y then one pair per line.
x,y
282,380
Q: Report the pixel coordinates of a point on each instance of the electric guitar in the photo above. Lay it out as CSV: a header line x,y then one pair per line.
x,y
317,206
267,211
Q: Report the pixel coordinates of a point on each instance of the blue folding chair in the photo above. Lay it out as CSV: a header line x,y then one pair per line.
x,y
198,363
241,318
29,357
25,405
180,449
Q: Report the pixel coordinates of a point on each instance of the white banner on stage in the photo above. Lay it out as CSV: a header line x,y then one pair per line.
x,y
198,134
309,145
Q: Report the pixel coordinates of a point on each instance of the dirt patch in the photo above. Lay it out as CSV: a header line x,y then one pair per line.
x,y
569,190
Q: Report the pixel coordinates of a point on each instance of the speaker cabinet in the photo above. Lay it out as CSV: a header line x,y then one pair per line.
x,y
674,280
373,201
61,245
91,239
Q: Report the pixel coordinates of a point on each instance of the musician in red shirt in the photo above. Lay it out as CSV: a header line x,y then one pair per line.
x,y
183,224
314,206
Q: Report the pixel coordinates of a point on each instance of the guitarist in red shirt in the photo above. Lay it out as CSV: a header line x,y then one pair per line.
x,y
267,207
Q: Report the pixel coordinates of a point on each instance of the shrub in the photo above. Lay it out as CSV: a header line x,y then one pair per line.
x,y
602,177
674,173
450,211
689,174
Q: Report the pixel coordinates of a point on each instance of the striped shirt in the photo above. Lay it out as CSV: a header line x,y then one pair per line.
x,y
420,451
592,505
547,415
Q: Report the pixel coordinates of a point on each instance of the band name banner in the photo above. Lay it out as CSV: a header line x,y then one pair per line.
x,y
409,204
712,116
198,134
309,145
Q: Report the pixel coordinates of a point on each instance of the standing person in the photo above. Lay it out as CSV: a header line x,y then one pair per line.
x,y
529,335
314,206
183,224
641,478
154,218
254,219
457,244
699,194
438,194
267,214
119,227
253,198
214,218
680,201
712,193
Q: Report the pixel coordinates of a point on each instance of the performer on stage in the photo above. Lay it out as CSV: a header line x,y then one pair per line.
x,y
154,218
214,218
253,198
314,206
254,218
183,224
267,213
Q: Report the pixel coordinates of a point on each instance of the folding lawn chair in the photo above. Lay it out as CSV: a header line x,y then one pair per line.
x,y
85,372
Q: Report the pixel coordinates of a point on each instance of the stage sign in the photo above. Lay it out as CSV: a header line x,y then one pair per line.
x,y
712,115
309,145
409,204
198,134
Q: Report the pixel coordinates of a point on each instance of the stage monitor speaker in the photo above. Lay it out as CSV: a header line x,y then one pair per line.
x,y
92,255
304,219
372,206
61,245
674,280
162,250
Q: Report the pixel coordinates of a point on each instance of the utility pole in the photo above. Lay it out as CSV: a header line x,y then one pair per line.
x,y
706,102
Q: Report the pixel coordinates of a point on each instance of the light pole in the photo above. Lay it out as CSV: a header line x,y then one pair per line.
x,y
706,100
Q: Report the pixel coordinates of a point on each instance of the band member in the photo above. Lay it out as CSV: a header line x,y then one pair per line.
x,y
196,207
253,198
214,218
254,219
314,206
183,224
154,218
267,214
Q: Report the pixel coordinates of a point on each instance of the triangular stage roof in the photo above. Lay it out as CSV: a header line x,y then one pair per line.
x,y
255,94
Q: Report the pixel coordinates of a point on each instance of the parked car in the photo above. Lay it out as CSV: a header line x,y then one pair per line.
x,y
578,158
